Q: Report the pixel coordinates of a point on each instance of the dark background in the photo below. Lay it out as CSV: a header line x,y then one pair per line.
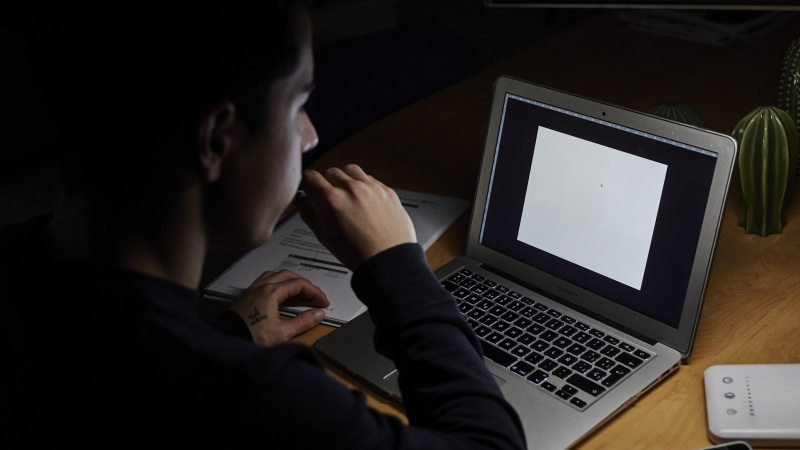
x,y
678,222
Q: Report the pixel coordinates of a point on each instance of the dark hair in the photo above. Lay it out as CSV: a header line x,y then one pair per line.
x,y
129,89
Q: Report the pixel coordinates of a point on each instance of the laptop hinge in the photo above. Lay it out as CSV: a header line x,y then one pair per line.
x,y
568,304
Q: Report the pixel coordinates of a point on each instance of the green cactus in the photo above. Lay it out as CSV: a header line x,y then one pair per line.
x,y
788,96
679,113
768,152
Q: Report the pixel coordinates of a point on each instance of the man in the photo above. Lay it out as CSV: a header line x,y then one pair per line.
x,y
184,131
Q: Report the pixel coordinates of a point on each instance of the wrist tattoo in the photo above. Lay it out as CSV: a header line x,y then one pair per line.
x,y
256,316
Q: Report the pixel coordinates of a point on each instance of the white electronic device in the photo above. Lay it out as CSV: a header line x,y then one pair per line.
x,y
757,403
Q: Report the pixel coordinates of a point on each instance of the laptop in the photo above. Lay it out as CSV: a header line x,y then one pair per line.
x,y
591,240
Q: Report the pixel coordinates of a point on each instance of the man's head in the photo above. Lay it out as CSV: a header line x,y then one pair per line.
x,y
153,104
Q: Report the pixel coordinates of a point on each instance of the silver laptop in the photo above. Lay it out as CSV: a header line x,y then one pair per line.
x,y
589,249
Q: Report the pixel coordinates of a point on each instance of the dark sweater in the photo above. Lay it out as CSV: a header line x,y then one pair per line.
x,y
103,356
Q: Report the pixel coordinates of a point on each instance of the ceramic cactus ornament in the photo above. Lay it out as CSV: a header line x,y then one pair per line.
x,y
768,152
789,95
679,113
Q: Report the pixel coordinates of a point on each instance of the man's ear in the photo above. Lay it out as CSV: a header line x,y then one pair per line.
x,y
215,140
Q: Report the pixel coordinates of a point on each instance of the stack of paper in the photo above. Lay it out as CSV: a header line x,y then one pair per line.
x,y
293,246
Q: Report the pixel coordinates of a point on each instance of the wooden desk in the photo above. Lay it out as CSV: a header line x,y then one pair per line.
x,y
752,306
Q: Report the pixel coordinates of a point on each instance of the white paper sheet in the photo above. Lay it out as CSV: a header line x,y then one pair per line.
x,y
293,246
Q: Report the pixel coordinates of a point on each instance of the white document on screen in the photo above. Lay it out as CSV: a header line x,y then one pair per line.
x,y
293,246
592,205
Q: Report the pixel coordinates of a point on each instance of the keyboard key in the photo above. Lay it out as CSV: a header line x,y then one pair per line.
x,y
501,326
475,314
548,335
515,306
605,363
482,330
567,330
513,332
641,354
596,374
457,278
535,329
497,310
540,307
478,277
469,283
480,289
562,342
568,320
473,323
627,347
521,322
510,317
488,320
502,289
553,352
563,394
562,372
484,304
595,344
612,351
490,283
526,339
576,349
528,312
582,326
547,365
568,359
449,286
495,337
527,301
581,367
548,386
464,308
582,337
586,385
491,295
507,344
578,402
554,324
515,295
540,346
520,351
629,360
590,356
465,272
542,318
534,358
503,300
537,377
497,355
554,313
596,333
460,293
521,368
615,376
473,299
611,340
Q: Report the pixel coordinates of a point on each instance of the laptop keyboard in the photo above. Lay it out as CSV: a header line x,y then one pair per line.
x,y
571,360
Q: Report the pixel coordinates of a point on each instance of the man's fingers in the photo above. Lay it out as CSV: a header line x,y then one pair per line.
x,y
315,185
357,173
337,177
300,287
308,212
302,322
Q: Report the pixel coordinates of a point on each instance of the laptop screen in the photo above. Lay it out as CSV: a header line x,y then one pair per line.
x,y
611,209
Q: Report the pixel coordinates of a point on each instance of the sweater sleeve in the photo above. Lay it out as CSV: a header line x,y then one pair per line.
x,y
231,324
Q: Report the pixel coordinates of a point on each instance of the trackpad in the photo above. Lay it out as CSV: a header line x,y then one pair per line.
x,y
498,380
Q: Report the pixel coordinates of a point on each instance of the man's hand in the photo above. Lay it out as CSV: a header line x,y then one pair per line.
x,y
258,306
354,215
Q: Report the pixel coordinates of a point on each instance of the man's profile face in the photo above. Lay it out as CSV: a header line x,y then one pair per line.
x,y
263,174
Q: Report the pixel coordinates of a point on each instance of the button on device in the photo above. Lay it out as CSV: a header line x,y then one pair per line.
x,y
729,395
727,380
731,411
